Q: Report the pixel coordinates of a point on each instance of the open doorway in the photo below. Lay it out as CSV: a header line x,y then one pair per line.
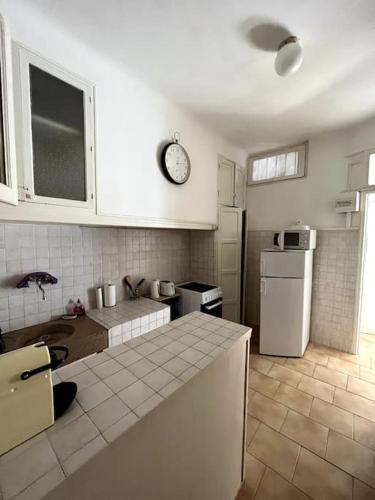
x,y
367,309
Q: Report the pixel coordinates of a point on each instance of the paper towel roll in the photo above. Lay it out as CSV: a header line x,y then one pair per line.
x,y
99,297
109,295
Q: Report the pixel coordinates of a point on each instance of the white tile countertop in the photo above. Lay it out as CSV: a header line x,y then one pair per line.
x,y
131,318
116,388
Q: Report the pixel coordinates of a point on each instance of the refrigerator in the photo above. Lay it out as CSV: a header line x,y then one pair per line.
x,y
285,301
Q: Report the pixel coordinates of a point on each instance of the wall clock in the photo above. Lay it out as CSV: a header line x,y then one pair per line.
x,y
175,163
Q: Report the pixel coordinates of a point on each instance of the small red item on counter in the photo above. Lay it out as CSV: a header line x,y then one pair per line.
x,y
79,308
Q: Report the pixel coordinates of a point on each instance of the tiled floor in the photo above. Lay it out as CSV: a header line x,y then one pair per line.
x,y
311,425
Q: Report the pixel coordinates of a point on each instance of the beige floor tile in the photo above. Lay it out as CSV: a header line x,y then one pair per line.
x,y
275,450
260,364
316,357
43,485
300,365
333,417
364,431
320,479
274,487
355,404
362,491
358,359
285,375
361,387
83,455
252,427
317,388
306,432
293,398
323,349
250,395
367,374
330,376
268,411
343,366
275,359
262,383
254,471
351,457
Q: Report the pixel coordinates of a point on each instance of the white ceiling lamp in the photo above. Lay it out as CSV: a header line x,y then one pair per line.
x,y
289,56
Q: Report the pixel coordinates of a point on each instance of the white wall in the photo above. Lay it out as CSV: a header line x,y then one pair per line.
x,y
132,121
311,199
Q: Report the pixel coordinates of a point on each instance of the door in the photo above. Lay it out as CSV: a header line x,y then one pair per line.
x,y
239,187
368,285
226,182
281,316
229,235
289,264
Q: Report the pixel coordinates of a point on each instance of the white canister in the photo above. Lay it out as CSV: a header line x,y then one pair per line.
x,y
109,295
99,297
155,289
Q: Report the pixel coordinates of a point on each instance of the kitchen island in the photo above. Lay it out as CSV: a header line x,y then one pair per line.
x,y
161,416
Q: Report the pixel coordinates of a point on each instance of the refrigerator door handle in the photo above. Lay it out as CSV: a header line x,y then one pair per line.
x,y
262,266
263,288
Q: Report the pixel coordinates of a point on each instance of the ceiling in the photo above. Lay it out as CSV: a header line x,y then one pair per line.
x,y
216,58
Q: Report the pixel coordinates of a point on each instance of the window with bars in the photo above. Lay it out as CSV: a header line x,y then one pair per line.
x,y
283,164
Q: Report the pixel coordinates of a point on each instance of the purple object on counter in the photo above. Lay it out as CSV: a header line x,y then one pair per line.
x,y
35,277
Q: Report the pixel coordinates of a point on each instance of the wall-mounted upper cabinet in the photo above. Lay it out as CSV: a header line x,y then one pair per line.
x,y
231,184
8,174
55,140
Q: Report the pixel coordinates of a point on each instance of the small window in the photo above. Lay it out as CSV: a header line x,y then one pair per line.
x,y
58,141
371,169
283,164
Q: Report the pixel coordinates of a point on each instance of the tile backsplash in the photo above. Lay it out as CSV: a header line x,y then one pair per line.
x,y
334,285
81,258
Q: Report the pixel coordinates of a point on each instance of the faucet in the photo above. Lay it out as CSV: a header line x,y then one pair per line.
x,y
134,292
38,278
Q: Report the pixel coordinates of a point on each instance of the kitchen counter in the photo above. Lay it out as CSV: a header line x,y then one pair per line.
x,y
131,318
118,388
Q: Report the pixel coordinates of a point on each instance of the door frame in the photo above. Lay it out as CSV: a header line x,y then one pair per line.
x,y
361,267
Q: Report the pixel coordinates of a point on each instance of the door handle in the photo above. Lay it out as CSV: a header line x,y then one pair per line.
x,y
263,288
208,308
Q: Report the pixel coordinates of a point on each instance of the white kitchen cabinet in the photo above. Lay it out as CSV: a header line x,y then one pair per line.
x,y
231,184
55,144
8,174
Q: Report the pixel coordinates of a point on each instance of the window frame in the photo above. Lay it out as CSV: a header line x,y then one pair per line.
x,y
8,191
302,150
26,58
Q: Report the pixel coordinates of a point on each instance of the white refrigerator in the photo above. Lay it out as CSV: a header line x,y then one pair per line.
x,y
285,301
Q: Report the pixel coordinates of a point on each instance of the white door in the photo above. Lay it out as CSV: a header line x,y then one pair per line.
x,y
368,286
226,182
239,187
228,237
281,316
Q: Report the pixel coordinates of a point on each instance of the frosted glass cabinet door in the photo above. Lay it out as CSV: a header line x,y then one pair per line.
x,y
55,117
58,137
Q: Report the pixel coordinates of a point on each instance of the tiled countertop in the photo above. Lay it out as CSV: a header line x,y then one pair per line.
x,y
116,388
131,318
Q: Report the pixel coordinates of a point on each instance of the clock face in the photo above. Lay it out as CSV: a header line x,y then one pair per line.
x,y
175,163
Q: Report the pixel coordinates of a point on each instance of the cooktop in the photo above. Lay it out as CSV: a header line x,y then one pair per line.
x,y
197,287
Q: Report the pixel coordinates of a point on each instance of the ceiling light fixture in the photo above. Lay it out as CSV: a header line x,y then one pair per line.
x,y
289,56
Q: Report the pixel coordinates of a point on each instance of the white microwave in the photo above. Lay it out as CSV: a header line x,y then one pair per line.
x,y
295,239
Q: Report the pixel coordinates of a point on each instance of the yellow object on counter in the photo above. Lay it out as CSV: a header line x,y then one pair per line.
x,y
26,406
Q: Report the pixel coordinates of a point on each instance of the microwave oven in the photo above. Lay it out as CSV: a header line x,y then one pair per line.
x,y
295,239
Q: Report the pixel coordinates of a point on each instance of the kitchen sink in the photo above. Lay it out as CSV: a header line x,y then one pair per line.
x,y
50,335
81,336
